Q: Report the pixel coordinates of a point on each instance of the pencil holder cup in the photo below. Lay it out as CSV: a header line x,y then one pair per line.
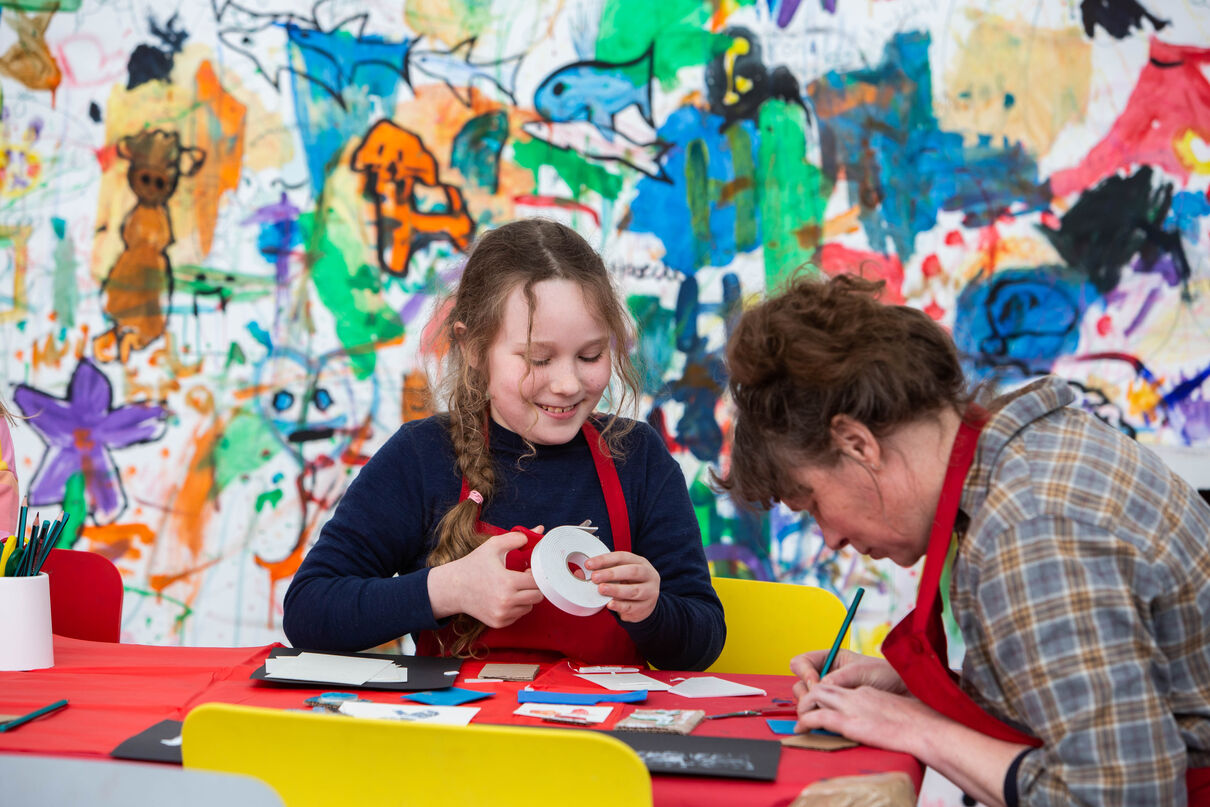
x,y
25,637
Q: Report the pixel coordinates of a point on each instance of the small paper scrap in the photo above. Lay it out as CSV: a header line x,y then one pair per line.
x,y
445,715
708,686
626,682
552,711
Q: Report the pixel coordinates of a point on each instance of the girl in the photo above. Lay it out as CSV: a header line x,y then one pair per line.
x,y
9,494
1081,571
418,543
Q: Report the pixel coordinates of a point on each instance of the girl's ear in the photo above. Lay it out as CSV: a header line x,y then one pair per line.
x,y
855,440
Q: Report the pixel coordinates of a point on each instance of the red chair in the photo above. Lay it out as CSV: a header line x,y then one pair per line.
x,y
85,595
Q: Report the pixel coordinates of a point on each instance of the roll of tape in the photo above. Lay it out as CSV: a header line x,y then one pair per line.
x,y
558,548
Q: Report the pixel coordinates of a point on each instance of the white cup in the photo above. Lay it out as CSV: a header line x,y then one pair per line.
x,y
25,637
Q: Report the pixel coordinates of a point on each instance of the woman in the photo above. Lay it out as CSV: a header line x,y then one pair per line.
x,y
1080,576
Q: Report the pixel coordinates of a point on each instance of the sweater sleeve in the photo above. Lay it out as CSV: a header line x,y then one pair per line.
x,y
10,493
365,581
686,630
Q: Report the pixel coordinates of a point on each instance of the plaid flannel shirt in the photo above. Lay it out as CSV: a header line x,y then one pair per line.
x,y
1082,589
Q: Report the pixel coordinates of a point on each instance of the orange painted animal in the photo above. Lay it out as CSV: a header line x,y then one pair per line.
x,y
139,286
394,160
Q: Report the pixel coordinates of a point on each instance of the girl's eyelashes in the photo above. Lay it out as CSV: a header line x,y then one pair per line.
x,y
537,362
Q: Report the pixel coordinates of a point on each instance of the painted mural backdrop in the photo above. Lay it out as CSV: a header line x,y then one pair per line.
x,y
225,227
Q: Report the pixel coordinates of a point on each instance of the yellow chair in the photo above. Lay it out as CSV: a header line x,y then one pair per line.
x,y
770,623
316,759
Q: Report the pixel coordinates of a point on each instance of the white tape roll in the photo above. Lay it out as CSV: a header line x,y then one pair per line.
x,y
559,547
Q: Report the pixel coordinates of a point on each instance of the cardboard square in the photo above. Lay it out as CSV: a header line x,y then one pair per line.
x,y
509,672
664,721
818,742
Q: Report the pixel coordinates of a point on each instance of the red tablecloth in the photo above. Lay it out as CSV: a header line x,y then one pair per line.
x,y
118,690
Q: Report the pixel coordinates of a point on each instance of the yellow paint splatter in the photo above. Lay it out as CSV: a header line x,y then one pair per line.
x,y
1017,81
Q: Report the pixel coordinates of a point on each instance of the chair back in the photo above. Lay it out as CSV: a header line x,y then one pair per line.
x,y
770,623
85,595
315,759
36,781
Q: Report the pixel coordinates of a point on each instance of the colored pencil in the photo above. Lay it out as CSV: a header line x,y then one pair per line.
x,y
51,541
844,627
23,719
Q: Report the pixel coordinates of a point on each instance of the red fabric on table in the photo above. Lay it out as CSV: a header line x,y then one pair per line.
x,y
118,690
113,691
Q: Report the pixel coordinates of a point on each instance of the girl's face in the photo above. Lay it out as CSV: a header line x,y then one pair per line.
x,y
546,397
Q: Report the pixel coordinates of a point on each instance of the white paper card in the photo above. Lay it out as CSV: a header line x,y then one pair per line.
x,y
445,715
589,714
708,686
626,682
321,667
395,674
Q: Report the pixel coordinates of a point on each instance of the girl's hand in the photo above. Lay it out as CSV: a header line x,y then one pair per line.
x,y
479,585
631,581
849,669
866,715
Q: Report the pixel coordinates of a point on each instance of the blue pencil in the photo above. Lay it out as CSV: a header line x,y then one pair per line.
x,y
844,627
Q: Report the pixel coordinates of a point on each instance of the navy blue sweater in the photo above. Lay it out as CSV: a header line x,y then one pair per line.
x,y
346,596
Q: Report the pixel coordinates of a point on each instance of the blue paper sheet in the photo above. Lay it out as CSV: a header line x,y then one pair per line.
x,y
787,727
580,698
454,696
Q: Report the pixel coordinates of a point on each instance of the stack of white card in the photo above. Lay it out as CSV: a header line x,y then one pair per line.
x,y
333,669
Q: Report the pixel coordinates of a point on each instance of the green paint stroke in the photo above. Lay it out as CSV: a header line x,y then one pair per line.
x,y
41,5
579,174
792,191
269,497
697,194
743,191
66,289
676,27
74,505
247,444
350,288
656,348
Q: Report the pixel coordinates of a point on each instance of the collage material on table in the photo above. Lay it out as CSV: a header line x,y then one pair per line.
x,y
383,671
158,743
626,682
708,686
445,715
344,670
588,715
664,721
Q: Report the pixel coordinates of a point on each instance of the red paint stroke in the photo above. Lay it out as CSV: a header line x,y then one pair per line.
x,y
1171,99
559,203
935,312
931,266
954,239
1105,325
836,259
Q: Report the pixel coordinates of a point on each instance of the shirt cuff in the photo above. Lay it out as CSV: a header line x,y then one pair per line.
x,y
1010,779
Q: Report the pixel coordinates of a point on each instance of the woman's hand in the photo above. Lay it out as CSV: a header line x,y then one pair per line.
x,y
630,580
866,715
479,585
849,669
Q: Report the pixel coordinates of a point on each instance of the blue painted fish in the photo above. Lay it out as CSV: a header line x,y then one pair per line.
x,y
596,91
458,72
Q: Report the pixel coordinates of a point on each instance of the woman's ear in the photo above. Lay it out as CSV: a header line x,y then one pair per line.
x,y
853,439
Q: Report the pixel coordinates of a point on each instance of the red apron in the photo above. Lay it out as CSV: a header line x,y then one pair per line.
x,y
916,647
596,639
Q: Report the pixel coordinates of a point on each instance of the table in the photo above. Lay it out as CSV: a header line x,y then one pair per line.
x,y
118,690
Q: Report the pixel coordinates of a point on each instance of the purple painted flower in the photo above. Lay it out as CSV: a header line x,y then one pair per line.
x,y
80,431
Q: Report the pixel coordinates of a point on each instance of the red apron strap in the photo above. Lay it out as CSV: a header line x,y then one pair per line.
x,y
615,503
916,647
